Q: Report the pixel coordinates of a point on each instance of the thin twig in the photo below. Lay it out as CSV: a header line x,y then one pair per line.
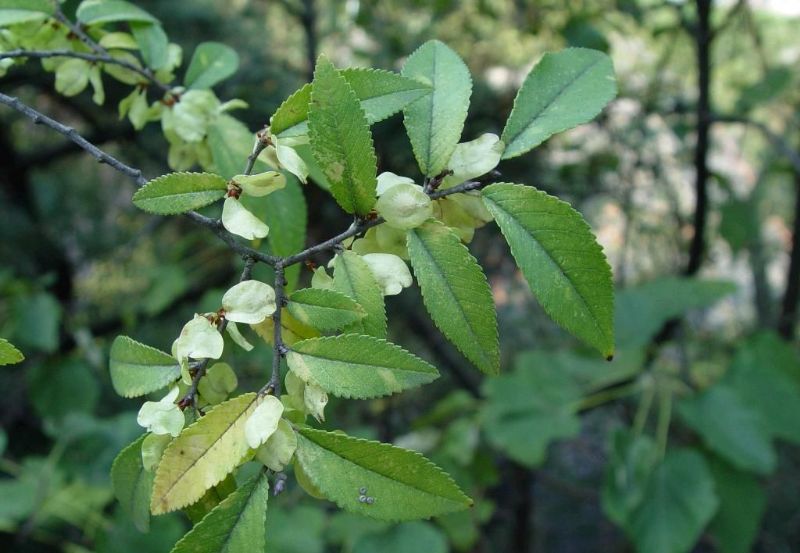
x,y
93,58
278,348
190,398
250,255
777,141
214,225
78,31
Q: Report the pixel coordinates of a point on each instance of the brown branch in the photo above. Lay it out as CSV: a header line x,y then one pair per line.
x,y
146,74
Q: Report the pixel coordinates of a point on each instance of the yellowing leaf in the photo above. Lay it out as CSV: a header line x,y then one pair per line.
x,y
202,455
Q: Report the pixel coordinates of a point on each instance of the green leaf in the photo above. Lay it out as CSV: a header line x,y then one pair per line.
x,y
341,141
563,90
236,525
202,455
742,502
631,461
22,11
527,409
212,62
132,484
730,427
324,310
153,43
410,537
435,121
381,93
455,293
678,503
231,142
765,373
9,355
358,366
353,278
95,12
560,258
403,484
642,310
137,369
180,192
36,319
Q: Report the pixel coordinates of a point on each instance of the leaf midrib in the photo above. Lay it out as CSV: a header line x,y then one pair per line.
x,y
593,317
456,300
361,364
208,448
388,477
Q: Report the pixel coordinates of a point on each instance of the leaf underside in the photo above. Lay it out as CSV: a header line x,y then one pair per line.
x,y
137,369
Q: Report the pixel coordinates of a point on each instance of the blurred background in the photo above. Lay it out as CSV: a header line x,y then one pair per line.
x,y
690,179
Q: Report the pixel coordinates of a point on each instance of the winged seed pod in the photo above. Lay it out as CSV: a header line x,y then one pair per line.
x,y
260,184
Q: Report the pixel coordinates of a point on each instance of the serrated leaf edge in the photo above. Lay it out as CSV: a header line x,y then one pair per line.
x,y
468,502
173,443
492,363
596,244
140,391
435,372
136,199
559,129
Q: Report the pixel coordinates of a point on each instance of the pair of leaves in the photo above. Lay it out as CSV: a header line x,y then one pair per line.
x,y
137,369
211,63
403,484
663,506
381,94
357,366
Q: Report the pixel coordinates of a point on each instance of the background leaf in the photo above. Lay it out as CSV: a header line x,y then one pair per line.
x,y
730,427
111,11
132,484
563,90
403,483
358,366
678,503
560,258
527,409
212,62
455,293
434,122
